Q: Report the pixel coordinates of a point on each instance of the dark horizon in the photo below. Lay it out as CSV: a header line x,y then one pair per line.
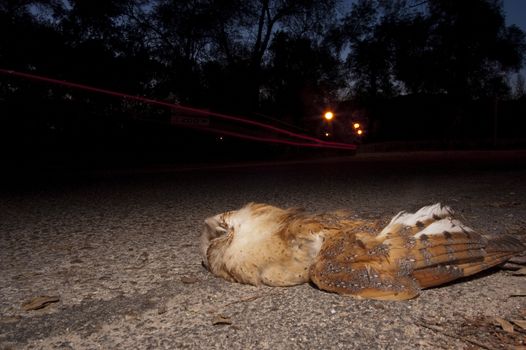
x,y
409,79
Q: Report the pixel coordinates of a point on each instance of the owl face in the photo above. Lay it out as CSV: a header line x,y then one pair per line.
x,y
215,227
242,229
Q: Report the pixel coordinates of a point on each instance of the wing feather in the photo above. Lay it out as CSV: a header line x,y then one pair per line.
x,y
412,252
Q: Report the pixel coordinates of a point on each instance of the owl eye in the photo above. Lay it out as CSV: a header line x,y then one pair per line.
x,y
214,227
222,227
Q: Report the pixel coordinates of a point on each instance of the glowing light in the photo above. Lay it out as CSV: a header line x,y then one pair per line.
x,y
356,125
359,132
328,115
327,134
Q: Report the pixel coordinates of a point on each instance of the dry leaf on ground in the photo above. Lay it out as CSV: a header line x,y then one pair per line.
x,y
520,323
521,272
39,302
506,326
519,260
220,319
189,279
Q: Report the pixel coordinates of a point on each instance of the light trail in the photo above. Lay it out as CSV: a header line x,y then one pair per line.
x,y
317,142
268,139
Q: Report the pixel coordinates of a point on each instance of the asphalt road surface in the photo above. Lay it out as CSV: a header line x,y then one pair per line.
x,y
117,254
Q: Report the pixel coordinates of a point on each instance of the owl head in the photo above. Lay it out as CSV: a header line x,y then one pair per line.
x,y
261,244
245,226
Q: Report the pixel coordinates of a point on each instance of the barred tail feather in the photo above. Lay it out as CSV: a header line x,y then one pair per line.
x,y
470,264
498,251
438,258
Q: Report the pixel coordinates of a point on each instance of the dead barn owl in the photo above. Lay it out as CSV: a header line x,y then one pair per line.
x,y
262,244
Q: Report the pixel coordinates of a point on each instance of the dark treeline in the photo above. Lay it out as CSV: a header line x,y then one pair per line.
x,y
411,70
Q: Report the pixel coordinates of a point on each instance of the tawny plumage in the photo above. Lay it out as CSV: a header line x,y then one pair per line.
x,y
263,244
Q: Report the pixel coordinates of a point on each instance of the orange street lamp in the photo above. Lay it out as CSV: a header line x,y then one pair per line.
x,y
328,115
356,125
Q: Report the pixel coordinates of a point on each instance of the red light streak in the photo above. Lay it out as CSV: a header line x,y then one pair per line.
x,y
269,139
317,142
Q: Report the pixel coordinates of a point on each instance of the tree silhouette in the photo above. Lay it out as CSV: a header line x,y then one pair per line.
x,y
460,48
302,78
519,87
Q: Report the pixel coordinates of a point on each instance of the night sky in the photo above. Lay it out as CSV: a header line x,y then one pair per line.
x,y
516,12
